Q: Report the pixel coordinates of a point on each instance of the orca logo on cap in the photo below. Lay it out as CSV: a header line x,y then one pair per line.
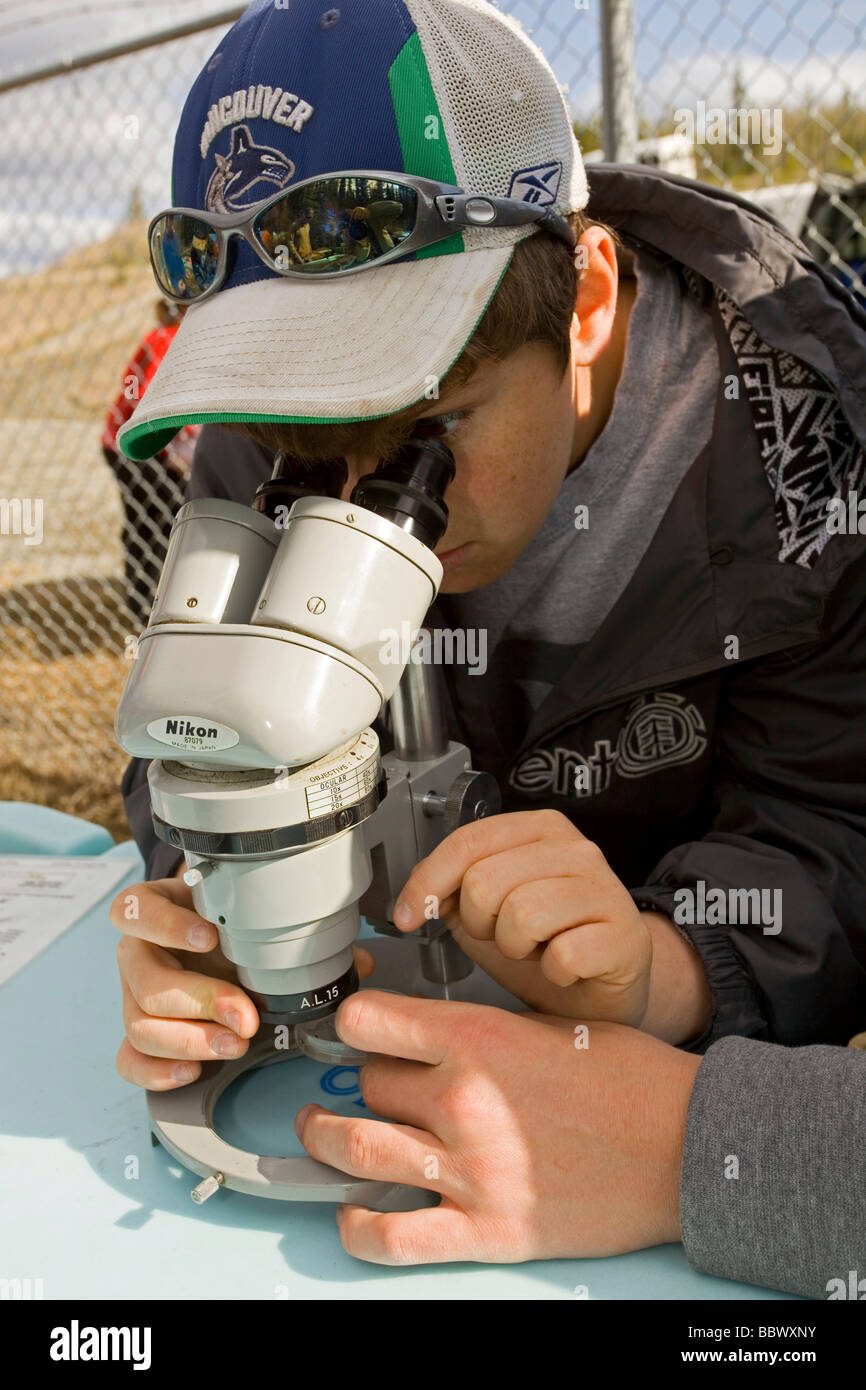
x,y
245,167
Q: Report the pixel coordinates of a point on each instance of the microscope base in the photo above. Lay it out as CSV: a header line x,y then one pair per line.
x,y
182,1120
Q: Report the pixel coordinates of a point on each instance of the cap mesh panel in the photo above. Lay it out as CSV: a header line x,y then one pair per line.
x,y
500,103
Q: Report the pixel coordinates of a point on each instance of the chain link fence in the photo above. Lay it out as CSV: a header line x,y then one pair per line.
x,y
770,97
85,162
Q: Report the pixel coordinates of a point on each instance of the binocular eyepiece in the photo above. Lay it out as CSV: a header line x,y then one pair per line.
x,y
408,490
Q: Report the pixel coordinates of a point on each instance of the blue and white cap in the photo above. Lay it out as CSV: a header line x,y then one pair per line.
x,y
451,90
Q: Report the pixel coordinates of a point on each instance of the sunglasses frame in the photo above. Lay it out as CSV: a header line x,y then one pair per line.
x,y
443,209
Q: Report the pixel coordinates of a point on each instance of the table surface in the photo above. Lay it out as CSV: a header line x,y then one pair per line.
x,y
88,1206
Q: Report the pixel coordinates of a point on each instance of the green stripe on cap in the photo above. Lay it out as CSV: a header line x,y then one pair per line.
x,y
144,441
421,129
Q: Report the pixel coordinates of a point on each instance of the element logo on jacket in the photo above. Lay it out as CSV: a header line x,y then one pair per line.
x,y
660,730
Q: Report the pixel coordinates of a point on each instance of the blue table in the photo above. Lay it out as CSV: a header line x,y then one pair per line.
x,y
90,1208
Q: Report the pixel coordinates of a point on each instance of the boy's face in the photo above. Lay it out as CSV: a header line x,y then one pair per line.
x,y
515,430
511,431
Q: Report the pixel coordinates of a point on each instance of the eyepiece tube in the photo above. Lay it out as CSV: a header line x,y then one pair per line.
x,y
410,490
292,478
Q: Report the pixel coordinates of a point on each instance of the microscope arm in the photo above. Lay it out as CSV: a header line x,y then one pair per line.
x,y
431,791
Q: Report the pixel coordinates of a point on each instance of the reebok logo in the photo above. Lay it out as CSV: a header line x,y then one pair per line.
x,y
539,185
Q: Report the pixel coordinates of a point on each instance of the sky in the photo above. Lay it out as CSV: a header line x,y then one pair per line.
x,y
69,162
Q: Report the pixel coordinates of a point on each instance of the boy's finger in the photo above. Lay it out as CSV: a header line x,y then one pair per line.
x,y
442,871
158,912
163,990
539,911
401,1091
372,1148
153,1073
436,1235
488,882
176,1039
365,963
420,1030
591,952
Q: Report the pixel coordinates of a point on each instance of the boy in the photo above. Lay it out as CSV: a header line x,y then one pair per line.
x,y
645,472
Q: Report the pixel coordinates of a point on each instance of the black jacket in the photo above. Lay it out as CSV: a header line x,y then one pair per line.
x,y
739,772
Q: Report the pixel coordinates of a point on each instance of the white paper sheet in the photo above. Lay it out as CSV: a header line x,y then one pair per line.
x,y
42,896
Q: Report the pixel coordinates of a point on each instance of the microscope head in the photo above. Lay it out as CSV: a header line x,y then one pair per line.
x,y
265,645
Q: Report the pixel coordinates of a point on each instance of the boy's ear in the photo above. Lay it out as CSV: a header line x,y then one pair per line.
x,y
595,305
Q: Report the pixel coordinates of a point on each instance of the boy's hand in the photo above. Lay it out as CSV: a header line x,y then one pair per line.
x,y
530,882
182,1004
544,1139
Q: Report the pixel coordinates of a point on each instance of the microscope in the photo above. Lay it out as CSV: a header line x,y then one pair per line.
x,y
257,681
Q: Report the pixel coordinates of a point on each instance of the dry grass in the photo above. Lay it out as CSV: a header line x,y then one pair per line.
x,y
66,334
56,744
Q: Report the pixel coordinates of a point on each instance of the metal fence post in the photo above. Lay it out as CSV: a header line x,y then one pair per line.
x,y
619,118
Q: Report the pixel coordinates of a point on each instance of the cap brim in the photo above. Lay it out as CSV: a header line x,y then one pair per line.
x,y
357,348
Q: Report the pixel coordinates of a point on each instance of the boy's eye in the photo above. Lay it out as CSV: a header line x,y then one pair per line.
x,y
440,425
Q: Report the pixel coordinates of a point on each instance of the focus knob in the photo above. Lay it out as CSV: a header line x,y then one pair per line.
x,y
473,796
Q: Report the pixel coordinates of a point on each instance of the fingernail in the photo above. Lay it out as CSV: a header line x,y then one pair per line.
x,y
183,1072
198,936
301,1120
402,914
232,1020
225,1045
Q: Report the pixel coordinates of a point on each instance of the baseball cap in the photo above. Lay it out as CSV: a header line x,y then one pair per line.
x,y
452,90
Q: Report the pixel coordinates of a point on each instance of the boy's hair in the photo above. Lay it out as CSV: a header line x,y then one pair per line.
x,y
534,303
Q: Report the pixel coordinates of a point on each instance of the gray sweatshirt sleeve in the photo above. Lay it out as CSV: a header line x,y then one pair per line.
x,y
773,1182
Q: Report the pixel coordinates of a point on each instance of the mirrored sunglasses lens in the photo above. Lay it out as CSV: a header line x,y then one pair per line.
x,y
185,254
337,224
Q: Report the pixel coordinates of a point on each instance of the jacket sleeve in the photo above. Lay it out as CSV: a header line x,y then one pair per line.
x,y
771,1186
790,820
224,465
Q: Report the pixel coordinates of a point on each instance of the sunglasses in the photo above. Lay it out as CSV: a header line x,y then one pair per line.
x,y
329,226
